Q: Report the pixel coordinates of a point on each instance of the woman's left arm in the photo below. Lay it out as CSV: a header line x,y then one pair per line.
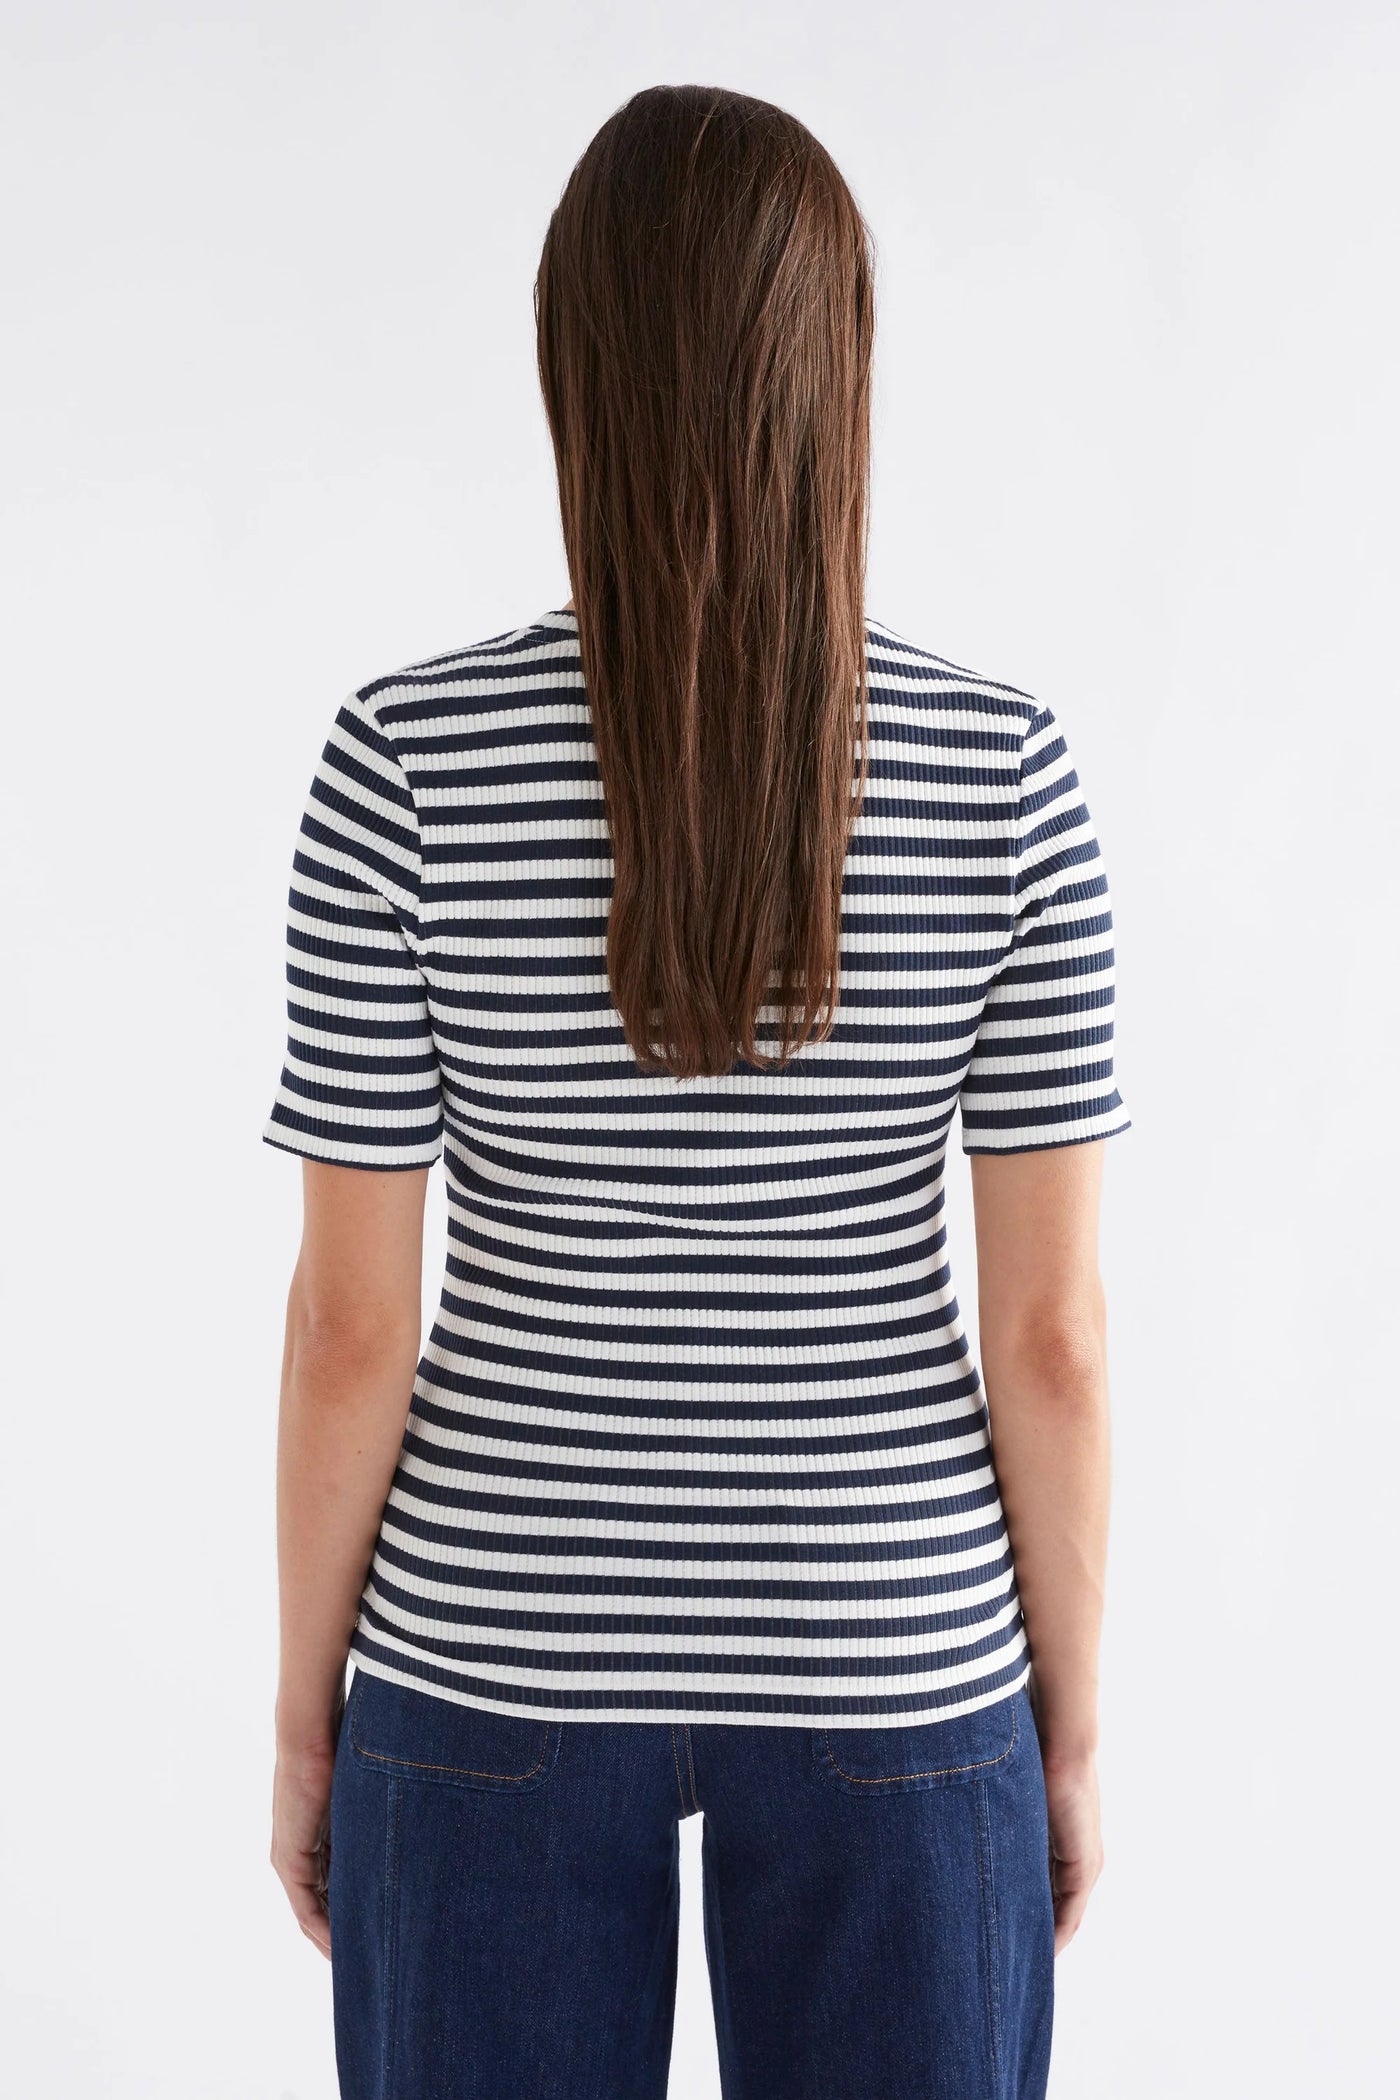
x,y
354,1318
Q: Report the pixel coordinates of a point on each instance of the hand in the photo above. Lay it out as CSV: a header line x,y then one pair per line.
x,y
301,1805
1076,1847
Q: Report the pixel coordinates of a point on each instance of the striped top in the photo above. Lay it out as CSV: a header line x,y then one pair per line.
x,y
697,1434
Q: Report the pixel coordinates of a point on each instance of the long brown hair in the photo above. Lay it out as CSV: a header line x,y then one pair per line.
x,y
705,315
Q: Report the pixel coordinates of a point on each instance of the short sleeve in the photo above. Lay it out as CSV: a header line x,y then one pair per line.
x,y
360,1086
1042,1065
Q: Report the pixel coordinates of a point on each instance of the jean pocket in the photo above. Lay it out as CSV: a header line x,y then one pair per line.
x,y
906,1757
410,1734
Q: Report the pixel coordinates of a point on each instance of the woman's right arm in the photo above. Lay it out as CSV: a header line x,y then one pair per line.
x,y
1042,1331
353,1325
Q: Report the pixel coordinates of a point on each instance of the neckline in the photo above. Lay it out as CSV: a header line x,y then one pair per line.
x,y
562,616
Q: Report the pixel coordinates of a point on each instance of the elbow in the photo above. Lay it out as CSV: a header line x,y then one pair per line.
x,y
336,1344
1068,1363
1060,1354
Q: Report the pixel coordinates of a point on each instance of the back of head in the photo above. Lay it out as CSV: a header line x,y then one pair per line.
x,y
705,318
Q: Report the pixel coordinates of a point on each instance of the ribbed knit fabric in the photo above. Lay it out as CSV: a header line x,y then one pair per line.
x,y
697,1435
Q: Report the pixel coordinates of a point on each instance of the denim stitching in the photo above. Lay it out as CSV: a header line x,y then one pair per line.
x,y
416,1764
391,1927
690,1762
676,1761
936,1772
986,1881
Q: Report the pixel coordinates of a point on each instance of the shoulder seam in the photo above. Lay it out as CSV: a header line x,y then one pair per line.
x,y
446,660
369,709
997,688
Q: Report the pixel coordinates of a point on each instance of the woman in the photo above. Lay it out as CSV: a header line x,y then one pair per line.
x,y
678,921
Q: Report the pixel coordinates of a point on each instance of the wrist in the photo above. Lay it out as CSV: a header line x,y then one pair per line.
x,y
1067,1723
306,1727
1068,1760
304,1745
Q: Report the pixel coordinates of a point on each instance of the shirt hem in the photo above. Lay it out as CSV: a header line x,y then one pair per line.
x,y
1085,1137
697,1717
330,1159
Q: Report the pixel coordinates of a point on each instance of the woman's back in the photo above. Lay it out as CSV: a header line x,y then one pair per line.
x,y
697,1433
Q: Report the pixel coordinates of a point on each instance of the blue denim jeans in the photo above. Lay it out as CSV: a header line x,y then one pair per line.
x,y
503,1900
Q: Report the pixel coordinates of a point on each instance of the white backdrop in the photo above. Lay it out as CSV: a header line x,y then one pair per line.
x,y
273,429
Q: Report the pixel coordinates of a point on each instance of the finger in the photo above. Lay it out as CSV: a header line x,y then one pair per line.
x,y
1072,1883
308,1900
1069,1916
311,1915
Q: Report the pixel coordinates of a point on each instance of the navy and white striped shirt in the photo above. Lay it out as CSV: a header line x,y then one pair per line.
x,y
697,1435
